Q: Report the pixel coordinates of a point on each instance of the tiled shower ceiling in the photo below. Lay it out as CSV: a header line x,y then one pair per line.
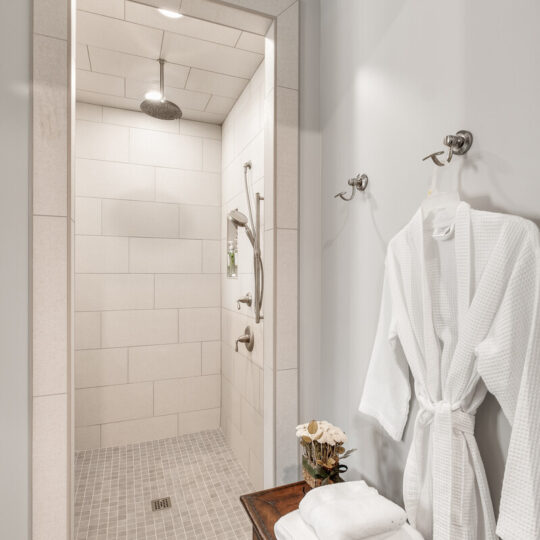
x,y
207,64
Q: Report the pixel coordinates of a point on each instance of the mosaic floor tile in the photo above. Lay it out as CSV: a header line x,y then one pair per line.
x,y
114,488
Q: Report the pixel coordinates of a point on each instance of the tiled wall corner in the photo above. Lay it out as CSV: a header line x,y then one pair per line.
x,y
147,277
51,283
286,245
242,371
288,35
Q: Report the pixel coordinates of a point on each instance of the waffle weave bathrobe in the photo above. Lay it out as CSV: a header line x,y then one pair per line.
x,y
461,313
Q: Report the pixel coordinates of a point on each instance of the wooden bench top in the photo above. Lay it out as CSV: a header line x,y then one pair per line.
x,y
264,508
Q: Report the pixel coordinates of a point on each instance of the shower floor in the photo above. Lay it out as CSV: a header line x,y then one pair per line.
x,y
114,488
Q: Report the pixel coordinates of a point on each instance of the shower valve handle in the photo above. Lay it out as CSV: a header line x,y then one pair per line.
x,y
247,339
244,300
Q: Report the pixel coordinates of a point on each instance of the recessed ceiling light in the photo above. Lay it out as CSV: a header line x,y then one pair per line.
x,y
153,95
170,14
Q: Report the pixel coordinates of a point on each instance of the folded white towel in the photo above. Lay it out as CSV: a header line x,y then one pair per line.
x,y
350,511
293,527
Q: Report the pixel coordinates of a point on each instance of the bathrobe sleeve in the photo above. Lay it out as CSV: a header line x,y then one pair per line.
x,y
509,363
387,390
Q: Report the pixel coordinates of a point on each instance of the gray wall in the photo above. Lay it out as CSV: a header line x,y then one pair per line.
x,y
395,76
15,137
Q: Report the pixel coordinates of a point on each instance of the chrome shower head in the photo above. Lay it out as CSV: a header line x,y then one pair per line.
x,y
241,220
161,108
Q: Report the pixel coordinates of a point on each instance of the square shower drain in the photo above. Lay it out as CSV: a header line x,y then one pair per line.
x,y
161,504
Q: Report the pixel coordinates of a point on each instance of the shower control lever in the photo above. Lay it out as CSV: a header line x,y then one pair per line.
x,y
244,300
247,339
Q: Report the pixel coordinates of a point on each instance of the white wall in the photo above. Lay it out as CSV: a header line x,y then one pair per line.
x,y
15,155
147,277
242,371
397,76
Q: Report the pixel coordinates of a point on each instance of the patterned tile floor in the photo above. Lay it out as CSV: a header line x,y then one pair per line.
x,y
114,488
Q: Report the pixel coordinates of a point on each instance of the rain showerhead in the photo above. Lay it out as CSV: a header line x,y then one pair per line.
x,y
161,108
241,220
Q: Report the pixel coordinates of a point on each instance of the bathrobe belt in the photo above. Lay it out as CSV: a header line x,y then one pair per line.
x,y
445,418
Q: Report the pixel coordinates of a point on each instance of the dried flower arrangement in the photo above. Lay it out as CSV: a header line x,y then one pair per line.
x,y
322,448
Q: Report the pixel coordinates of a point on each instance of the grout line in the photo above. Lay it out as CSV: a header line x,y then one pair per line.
x,y
167,31
187,79
227,75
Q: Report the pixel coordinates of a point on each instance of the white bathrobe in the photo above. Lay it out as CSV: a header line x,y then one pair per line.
x,y
461,313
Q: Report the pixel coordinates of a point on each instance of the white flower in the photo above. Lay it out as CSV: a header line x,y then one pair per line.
x,y
326,433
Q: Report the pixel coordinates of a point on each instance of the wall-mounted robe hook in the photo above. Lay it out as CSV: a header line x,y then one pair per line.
x,y
358,183
458,144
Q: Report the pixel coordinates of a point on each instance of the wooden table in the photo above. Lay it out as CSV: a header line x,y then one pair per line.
x,y
264,508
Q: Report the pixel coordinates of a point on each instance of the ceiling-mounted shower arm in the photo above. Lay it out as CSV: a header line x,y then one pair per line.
x,y
162,78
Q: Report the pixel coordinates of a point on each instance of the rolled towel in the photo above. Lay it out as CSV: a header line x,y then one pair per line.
x,y
350,511
292,527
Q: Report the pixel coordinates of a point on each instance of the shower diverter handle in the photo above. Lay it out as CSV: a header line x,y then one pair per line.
x,y
247,339
244,300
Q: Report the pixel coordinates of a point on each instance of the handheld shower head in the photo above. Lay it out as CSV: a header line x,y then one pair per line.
x,y
241,220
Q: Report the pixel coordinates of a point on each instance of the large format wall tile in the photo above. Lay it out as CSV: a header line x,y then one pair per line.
x,y
113,403
165,149
102,292
134,218
287,299
87,330
50,136
111,180
139,327
211,357
101,367
144,429
195,421
158,362
87,438
165,256
102,141
288,40
50,472
88,212
187,290
188,187
190,394
211,257
50,323
100,254
199,324
200,222
123,117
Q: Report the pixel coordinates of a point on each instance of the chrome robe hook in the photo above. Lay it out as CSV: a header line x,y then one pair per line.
x,y
458,144
358,183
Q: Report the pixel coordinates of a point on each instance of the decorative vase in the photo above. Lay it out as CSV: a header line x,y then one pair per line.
x,y
315,475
